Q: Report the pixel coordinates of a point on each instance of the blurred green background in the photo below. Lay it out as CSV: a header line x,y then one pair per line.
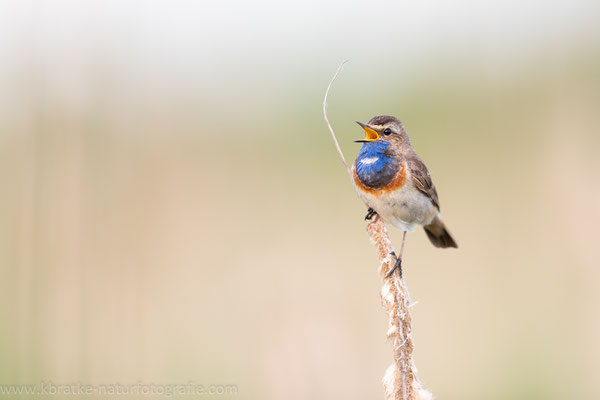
x,y
174,209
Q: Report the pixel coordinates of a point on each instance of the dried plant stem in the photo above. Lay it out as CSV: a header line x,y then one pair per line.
x,y
337,145
401,381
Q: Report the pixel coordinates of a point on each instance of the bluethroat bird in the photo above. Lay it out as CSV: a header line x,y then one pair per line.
x,y
393,182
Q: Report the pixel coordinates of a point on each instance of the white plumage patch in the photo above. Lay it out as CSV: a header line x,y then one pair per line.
x,y
369,160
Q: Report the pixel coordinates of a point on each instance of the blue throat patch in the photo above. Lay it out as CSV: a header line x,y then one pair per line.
x,y
373,167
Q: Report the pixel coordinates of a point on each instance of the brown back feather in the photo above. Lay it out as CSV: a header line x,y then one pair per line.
x,y
422,179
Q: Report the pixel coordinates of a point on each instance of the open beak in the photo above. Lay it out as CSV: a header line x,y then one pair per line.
x,y
371,133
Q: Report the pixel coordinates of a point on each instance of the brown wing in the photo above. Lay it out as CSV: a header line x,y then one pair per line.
x,y
422,179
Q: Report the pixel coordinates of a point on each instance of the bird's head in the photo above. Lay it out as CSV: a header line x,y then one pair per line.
x,y
384,128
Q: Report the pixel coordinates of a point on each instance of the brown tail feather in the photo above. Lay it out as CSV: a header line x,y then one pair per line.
x,y
439,235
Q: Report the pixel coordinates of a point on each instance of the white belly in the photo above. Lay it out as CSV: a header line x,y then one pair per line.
x,y
405,208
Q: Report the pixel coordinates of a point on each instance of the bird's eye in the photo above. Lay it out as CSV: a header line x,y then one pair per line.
x,y
387,132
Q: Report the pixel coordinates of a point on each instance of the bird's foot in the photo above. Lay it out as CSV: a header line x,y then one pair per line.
x,y
397,266
370,214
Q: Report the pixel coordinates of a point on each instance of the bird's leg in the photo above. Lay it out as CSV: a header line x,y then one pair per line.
x,y
398,264
370,214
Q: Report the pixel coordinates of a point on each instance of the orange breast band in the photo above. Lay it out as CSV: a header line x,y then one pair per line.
x,y
396,183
